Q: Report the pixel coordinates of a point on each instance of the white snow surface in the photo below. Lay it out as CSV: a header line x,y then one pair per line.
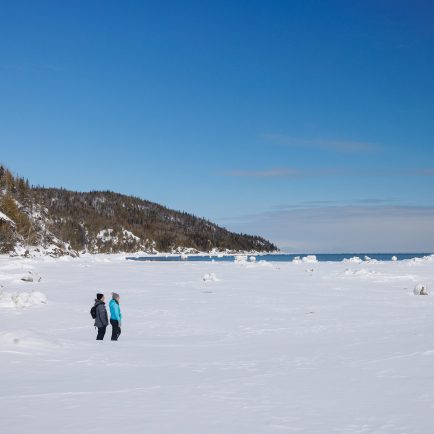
x,y
6,218
23,299
266,349
107,235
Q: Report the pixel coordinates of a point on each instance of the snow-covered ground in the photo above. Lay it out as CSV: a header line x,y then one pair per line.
x,y
258,348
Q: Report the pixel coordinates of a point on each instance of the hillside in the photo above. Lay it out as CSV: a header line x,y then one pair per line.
x,y
58,221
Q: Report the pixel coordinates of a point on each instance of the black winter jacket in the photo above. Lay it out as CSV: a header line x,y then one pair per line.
x,y
101,319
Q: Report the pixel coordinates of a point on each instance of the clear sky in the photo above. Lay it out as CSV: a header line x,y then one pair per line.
x,y
307,122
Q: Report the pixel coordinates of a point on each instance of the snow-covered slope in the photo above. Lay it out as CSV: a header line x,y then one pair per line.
x,y
317,348
62,222
6,219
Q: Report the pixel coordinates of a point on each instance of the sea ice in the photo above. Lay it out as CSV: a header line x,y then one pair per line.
x,y
274,350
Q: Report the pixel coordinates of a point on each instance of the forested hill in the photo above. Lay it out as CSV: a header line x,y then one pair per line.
x,y
60,221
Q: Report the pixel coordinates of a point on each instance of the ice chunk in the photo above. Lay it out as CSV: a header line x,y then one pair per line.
x,y
27,279
420,289
310,259
210,277
353,260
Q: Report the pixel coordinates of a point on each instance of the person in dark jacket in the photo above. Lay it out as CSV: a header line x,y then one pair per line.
x,y
115,316
101,320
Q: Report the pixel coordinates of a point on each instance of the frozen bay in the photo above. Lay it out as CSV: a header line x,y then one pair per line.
x,y
262,348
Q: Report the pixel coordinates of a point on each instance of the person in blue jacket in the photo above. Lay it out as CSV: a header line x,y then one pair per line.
x,y
115,316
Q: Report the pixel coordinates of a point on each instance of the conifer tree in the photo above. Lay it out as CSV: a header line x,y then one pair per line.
x,y
2,174
9,181
22,189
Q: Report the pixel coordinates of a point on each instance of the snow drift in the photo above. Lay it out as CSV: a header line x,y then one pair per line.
x,y
18,300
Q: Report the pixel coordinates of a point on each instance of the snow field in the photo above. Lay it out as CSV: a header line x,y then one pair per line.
x,y
316,348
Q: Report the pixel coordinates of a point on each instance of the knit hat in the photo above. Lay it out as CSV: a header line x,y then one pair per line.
x,y
99,296
115,295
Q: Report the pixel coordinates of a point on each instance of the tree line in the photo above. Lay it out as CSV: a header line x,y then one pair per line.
x,y
82,219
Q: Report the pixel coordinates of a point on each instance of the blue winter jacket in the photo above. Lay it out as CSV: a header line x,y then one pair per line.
x,y
115,311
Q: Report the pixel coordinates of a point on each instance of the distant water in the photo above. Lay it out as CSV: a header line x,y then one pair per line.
x,y
322,257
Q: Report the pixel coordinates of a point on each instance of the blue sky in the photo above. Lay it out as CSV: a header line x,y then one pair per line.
x,y
262,116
